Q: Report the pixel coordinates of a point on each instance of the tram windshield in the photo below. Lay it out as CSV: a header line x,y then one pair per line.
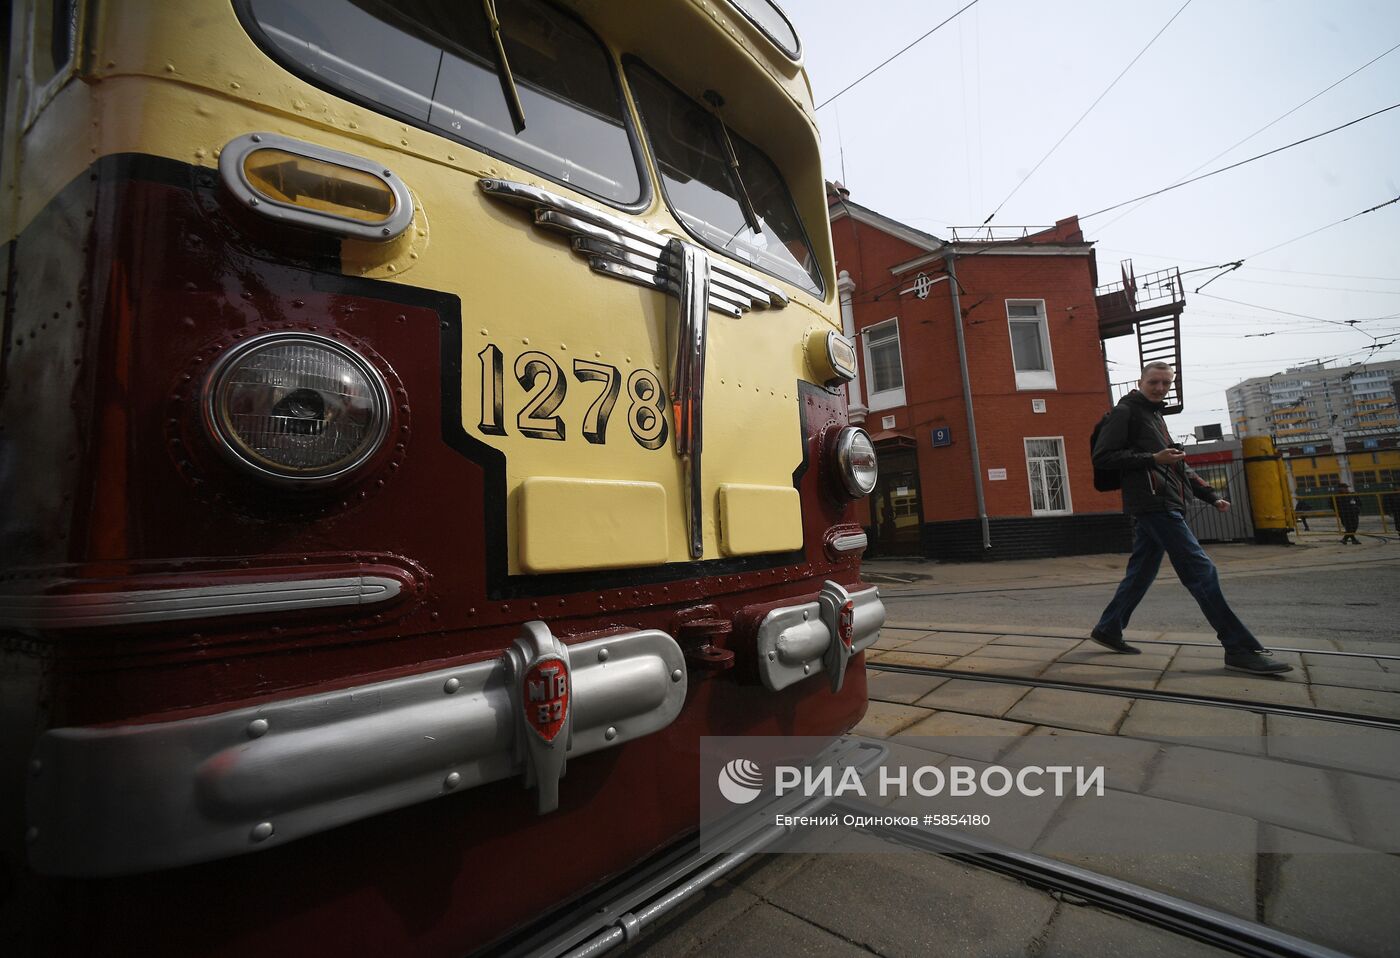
x,y
688,142
435,63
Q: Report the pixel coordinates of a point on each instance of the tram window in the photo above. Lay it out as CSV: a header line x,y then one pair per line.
x,y
55,27
434,62
687,142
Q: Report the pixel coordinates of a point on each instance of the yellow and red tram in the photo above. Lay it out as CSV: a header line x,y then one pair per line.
x,y
403,404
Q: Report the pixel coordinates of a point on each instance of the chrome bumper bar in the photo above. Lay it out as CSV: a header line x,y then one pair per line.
x,y
121,800
800,640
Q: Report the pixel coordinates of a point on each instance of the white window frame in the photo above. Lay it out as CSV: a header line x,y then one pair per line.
x,y
885,398
1064,471
1032,378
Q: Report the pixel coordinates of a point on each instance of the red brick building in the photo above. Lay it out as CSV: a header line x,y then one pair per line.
x,y
993,464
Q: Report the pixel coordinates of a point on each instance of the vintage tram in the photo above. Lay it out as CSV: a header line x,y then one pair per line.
x,y
403,403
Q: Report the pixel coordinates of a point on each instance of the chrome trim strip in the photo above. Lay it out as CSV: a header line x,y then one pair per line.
x,y
798,641
231,171
690,266
851,543
741,291
88,610
128,799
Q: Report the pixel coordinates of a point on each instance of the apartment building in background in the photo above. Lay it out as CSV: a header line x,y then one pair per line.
x,y
1332,425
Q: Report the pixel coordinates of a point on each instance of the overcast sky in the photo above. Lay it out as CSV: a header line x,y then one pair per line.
x,y
943,135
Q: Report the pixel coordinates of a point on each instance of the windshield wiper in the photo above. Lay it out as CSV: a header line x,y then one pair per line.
x,y
750,214
512,95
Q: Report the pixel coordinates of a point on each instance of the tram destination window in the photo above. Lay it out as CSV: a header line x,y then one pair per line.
x,y
688,142
434,63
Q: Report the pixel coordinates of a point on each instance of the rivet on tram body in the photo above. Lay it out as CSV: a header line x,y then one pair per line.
x,y
610,734
772,656
806,616
452,781
451,685
256,138
262,831
603,655
677,675
806,668
257,728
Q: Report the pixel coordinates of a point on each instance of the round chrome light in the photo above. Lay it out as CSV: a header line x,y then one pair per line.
x,y
296,407
855,461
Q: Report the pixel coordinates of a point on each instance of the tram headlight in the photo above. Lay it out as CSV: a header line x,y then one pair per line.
x,y
297,408
854,462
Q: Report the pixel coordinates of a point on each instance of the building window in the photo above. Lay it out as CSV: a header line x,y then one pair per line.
x,y
1045,464
883,368
1030,344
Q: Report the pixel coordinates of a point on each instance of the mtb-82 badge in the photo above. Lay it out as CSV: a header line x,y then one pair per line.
x,y
420,424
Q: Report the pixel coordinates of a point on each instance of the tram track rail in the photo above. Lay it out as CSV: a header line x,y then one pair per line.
x,y
1188,919
1186,698
915,627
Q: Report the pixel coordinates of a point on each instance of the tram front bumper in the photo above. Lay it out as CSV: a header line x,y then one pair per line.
x,y
798,641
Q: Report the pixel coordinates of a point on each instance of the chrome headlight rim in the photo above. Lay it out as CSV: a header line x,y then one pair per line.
x,y
232,447
850,483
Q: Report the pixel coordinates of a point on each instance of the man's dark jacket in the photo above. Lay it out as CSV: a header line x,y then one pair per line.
x,y
1133,433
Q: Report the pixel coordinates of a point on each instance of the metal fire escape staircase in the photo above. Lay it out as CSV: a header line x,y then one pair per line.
x,y
1150,307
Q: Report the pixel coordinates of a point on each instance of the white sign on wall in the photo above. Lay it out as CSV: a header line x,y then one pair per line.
x,y
1037,405
996,474
887,422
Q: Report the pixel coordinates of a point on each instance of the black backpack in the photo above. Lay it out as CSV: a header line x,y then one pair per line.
x,y
1105,480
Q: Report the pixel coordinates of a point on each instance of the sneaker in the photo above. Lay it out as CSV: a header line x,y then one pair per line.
x,y
1255,663
1113,645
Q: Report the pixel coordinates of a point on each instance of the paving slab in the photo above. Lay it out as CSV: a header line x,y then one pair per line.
x,y
1328,893
903,657
888,639
1016,821
1019,652
867,900
969,736
1066,709
989,665
1355,679
1374,804
941,645
1317,660
770,930
900,687
1032,641
1306,799
1368,646
1077,931
1372,751
1101,832
883,719
1359,701
1231,729
1149,659
1126,762
1233,685
1110,675
974,698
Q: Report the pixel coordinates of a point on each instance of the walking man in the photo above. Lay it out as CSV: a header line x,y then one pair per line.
x,y
1349,511
1156,481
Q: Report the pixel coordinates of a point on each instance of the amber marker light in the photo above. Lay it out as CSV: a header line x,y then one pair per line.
x,y
307,185
831,355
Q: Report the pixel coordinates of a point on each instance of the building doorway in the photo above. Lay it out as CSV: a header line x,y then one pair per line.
x,y
896,512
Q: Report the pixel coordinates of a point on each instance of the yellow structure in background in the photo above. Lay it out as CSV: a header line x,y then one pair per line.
x,y
1270,500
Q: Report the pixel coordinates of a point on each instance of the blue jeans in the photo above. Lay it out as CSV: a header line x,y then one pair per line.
x,y
1155,533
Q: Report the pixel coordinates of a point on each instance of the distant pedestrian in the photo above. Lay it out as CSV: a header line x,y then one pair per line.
x,y
1349,511
1156,482
1298,512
